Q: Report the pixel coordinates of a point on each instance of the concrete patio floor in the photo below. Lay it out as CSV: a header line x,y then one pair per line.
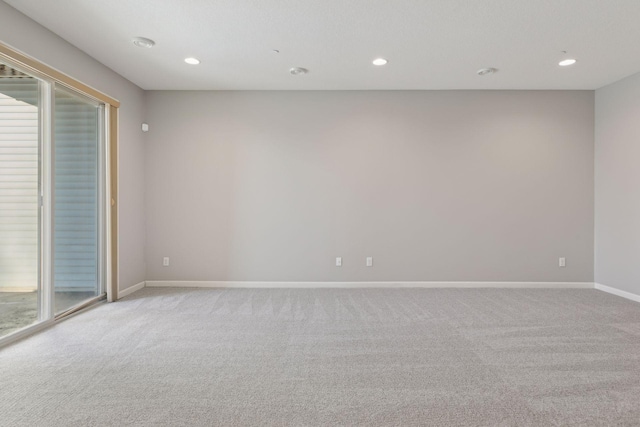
x,y
20,309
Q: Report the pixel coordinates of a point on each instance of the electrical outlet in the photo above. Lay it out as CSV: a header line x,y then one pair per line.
x,y
369,261
562,262
165,261
339,261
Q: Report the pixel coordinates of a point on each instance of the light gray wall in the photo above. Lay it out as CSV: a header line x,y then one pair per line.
x,y
617,207
436,186
24,34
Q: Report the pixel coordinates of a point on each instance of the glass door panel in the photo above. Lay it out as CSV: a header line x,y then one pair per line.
x,y
19,200
77,189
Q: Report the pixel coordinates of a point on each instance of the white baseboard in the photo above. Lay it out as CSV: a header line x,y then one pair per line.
x,y
618,292
224,284
131,289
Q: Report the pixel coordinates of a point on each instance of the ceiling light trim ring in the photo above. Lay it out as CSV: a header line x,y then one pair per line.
x,y
486,71
567,62
143,42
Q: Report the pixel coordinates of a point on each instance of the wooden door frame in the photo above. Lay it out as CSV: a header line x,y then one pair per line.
x,y
112,292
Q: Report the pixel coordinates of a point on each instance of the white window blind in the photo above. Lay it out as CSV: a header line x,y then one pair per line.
x,y
76,171
19,188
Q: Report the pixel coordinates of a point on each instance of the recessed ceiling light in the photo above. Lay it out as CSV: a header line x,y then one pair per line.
x,y
192,61
486,71
380,61
298,71
275,51
143,42
567,62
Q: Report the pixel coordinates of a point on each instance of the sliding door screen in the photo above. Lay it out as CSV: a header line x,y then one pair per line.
x,y
19,199
77,234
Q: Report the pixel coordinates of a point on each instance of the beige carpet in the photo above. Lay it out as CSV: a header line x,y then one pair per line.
x,y
437,357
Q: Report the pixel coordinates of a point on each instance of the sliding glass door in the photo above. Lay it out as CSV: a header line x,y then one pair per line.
x,y
20,131
78,142
52,192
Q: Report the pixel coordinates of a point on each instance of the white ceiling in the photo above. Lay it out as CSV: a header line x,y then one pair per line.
x,y
430,44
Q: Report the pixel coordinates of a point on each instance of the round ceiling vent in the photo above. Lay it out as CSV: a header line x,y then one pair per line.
x,y
298,71
486,71
143,42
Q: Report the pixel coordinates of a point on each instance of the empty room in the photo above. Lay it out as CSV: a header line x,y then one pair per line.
x,y
318,213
